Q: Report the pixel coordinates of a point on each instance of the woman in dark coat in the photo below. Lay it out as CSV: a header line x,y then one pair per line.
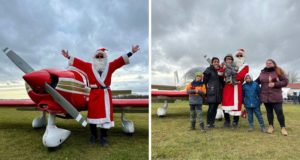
x,y
214,86
272,78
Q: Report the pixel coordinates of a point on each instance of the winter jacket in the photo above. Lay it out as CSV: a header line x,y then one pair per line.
x,y
196,91
214,85
271,94
251,91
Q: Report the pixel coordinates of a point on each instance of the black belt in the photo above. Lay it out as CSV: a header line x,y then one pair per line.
x,y
101,87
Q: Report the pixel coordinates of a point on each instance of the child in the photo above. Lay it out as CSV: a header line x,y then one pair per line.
x,y
196,90
230,69
252,102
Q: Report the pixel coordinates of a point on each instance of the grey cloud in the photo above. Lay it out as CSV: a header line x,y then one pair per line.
x,y
38,30
185,30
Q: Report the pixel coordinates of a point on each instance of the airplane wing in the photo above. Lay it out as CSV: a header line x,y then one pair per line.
x,y
136,105
16,103
169,93
131,105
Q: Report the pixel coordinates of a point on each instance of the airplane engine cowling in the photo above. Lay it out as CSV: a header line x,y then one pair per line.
x,y
37,79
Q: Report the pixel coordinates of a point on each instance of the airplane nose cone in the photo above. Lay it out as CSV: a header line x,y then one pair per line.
x,y
37,80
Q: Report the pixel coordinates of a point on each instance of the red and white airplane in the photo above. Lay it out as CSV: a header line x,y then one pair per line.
x,y
62,93
168,93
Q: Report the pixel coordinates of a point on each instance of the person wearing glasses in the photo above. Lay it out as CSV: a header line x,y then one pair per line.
x,y
232,93
99,74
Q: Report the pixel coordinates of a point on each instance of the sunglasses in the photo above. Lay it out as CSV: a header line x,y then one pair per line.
x,y
101,56
239,56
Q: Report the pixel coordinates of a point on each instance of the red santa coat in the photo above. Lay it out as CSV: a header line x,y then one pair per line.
x,y
100,109
232,94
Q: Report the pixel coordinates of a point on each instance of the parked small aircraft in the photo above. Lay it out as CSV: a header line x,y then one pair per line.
x,y
62,93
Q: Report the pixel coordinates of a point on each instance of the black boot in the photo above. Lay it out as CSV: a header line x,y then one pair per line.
x,y
103,137
202,129
104,141
93,137
193,124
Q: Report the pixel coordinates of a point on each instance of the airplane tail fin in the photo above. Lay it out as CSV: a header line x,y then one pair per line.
x,y
176,79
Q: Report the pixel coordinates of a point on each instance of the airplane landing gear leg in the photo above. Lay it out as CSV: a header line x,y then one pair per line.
x,y
127,125
40,122
162,111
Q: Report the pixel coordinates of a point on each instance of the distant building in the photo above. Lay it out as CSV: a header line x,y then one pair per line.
x,y
293,89
291,92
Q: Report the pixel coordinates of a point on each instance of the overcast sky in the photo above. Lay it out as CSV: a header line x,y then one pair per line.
x,y
38,30
184,30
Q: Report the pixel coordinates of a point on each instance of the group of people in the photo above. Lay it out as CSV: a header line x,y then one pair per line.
x,y
231,85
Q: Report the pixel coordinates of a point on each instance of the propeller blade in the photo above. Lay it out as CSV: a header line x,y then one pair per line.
x,y
18,61
66,105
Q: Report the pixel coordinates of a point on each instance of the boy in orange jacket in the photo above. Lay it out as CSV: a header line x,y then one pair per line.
x,y
196,90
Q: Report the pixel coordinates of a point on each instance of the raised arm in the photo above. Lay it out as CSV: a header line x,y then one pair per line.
x,y
75,62
124,59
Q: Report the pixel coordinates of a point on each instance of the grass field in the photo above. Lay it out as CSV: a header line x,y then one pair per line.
x,y
18,140
171,138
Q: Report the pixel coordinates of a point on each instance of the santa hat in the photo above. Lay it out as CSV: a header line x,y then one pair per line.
x,y
101,50
241,50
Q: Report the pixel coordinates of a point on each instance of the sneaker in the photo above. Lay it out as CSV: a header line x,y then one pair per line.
x,y
104,141
251,129
210,126
202,129
263,130
234,125
192,127
270,129
226,125
92,139
283,131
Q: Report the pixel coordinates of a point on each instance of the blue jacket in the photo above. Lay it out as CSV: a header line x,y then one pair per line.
x,y
251,93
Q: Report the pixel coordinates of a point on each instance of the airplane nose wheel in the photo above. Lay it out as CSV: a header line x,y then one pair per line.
x,y
53,135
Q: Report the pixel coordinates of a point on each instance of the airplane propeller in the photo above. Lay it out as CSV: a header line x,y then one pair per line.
x,y
58,98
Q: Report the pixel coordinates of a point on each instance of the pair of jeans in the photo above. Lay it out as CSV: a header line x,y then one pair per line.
x,y
277,107
211,113
258,115
196,110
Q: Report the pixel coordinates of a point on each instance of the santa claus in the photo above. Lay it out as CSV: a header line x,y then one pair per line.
x,y
99,73
232,94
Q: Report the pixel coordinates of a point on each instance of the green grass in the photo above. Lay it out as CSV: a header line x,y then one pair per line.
x,y
18,140
171,138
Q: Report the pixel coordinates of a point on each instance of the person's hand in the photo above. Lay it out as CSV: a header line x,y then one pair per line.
x,y
271,85
270,79
135,48
65,53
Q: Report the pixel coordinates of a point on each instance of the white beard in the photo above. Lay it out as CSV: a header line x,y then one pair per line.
x,y
100,64
239,61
